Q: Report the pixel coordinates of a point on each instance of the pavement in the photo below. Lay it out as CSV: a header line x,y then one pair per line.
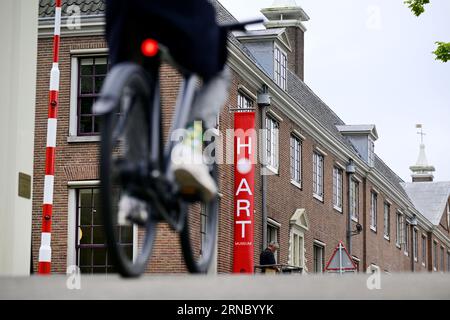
x,y
229,287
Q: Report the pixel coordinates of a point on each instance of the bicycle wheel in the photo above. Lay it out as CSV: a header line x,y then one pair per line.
x,y
199,234
126,139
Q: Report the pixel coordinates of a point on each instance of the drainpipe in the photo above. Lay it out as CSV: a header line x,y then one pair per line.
x,y
350,170
366,227
413,225
263,100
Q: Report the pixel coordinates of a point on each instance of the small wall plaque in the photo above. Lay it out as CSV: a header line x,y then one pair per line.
x,y
24,185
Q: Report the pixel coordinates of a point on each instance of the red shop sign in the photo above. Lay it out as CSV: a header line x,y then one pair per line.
x,y
244,187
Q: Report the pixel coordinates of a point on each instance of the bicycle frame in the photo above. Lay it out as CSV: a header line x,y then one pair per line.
x,y
180,118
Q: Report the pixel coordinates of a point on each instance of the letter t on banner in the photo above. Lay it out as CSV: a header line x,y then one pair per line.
x,y
244,190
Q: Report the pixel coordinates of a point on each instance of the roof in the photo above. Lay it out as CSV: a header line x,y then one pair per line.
x,y
301,93
359,128
390,175
87,7
430,198
272,32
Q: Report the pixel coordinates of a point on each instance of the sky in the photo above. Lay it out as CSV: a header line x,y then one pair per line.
x,y
371,62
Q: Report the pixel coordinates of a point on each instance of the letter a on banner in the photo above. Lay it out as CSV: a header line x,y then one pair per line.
x,y
244,190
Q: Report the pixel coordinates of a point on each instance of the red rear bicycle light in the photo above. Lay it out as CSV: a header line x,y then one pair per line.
x,y
149,47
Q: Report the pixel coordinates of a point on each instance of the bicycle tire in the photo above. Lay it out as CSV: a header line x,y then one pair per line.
x,y
202,264
124,77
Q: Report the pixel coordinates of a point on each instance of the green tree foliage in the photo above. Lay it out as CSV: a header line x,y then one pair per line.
x,y
442,51
417,6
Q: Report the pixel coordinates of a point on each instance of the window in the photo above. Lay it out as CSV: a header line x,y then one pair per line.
x,y
387,220
318,175
415,244
435,256
296,160
371,149
399,231
297,248
357,262
272,235
424,250
337,188
442,259
244,102
91,249
406,249
373,210
354,199
448,215
272,143
319,258
448,261
280,65
91,74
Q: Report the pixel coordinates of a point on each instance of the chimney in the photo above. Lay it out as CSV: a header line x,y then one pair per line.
x,y
421,171
287,14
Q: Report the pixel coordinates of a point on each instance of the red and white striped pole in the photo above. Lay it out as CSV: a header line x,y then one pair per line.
x,y
45,251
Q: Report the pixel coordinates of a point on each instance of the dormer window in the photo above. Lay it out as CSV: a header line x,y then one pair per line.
x,y
362,138
280,65
448,216
371,149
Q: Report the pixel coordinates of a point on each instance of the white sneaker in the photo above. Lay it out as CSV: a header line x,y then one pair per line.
x,y
192,173
131,210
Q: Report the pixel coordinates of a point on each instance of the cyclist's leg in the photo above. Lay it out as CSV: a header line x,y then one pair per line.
x,y
193,175
210,99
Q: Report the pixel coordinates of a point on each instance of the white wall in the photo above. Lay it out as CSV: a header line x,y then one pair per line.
x,y
18,55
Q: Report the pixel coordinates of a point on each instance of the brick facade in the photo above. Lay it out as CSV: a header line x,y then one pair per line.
x,y
78,161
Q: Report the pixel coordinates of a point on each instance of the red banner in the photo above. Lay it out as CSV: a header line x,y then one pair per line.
x,y
244,187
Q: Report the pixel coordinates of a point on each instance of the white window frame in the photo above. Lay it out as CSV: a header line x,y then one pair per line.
x,y
280,67
73,187
296,160
424,250
387,220
244,102
338,188
407,238
272,141
442,260
321,245
357,262
448,260
354,199
448,216
434,253
318,175
73,104
299,234
373,210
276,226
371,150
399,229
415,239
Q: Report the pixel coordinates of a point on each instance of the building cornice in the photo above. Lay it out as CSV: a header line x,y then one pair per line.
x,y
88,26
